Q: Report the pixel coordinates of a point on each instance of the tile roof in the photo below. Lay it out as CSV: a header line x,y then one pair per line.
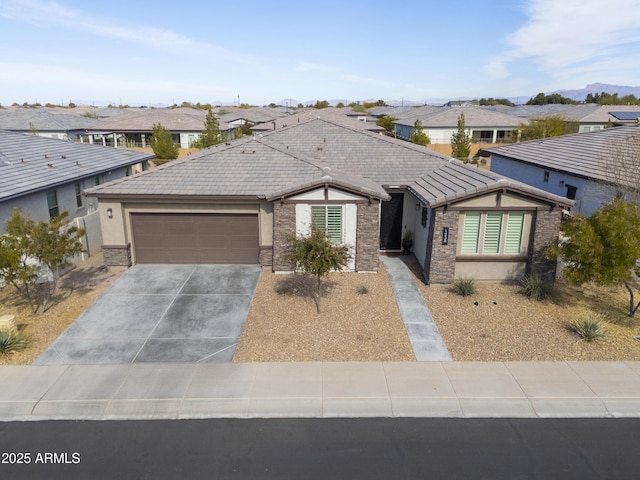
x,y
285,160
43,121
31,163
583,154
474,117
143,120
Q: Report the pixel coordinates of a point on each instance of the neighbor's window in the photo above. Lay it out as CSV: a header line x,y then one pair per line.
x,y
328,219
52,204
546,176
492,233
78,195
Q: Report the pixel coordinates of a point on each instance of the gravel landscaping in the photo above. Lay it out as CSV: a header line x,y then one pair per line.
x,y
360,320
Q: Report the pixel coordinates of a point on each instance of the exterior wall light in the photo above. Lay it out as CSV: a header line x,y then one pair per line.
x,y
109,213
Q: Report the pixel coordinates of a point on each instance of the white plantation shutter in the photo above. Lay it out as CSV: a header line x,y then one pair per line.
x,y
513,235
334,223
492,228
319,218
471,232
328,219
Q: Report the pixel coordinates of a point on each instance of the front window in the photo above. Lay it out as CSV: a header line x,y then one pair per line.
x,y
52,204
492,233
328,219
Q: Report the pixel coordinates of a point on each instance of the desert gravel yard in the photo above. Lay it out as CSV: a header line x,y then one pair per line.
x,y
352,326
506,326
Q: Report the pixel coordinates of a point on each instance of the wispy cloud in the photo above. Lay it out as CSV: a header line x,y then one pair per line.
x,y
561,34
51,13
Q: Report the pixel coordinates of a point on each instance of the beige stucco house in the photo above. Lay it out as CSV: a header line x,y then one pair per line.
x,y
239,202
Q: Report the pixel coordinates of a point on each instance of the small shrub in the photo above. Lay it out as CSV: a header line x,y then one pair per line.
x,y
282,289
590,326
12,341
464,287
362,290
536,287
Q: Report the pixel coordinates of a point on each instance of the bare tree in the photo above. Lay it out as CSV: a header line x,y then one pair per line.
x,y
622,167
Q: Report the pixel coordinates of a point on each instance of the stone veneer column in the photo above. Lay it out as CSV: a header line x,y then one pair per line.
x,y
545,225
440,264
117,255
368,237
284,226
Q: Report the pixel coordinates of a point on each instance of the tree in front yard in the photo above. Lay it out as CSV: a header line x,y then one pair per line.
x,y
162,143
461,142
604,247
30,247
418,136
211,133
317,255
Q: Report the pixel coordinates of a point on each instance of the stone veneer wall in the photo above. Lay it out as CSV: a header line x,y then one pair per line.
x,y
440,264
368,237
266,255
544,232
284,225
117,255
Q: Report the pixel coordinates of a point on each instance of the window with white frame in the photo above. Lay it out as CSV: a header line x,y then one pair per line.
x,y
328,219
493,233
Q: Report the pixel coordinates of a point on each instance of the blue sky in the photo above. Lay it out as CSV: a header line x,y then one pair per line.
x,y
162,52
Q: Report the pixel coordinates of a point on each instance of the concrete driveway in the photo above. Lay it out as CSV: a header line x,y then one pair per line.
x,y
161,313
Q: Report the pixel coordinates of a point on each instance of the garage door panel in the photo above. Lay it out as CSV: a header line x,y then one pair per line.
x,y
195,238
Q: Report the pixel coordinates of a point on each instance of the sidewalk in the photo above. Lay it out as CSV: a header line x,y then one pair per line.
x,y
411,389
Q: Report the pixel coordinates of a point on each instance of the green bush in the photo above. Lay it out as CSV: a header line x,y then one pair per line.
x,y
12,341
534,286
362,290
464,287
590,326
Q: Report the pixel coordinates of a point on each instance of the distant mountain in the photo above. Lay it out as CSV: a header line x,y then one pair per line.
x,y
580,94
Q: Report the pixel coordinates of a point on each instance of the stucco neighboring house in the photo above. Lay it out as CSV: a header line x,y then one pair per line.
x,y
589,168
239,202
484,125
133,130
44,123
44,177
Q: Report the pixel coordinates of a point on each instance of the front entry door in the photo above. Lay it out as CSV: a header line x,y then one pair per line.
x,y
391,223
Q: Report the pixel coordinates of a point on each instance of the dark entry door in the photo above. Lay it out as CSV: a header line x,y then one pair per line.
x,y
391,223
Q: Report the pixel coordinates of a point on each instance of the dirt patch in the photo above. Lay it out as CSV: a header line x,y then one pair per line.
x,y
352,326
77,290
507,326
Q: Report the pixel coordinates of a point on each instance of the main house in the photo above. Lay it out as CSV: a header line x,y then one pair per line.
x,y
589,168
239,203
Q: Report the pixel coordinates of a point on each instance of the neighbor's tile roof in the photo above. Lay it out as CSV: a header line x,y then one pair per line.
x,y
29,163
143,120
583,154
474,117
43,121
282,161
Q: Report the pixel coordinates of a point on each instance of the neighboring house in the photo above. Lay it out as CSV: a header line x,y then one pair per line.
x,y
43,177
44,123
252,116
585,167
133,130
240,202
484,125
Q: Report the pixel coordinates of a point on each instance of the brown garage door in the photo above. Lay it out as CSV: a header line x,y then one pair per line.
x,y
195,238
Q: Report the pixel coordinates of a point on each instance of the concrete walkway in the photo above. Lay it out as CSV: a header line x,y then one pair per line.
x,y
376,389
424,335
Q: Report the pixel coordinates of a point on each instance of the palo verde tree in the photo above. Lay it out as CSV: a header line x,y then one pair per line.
x,y
604,247
315,254
162,143
418,136
34,254
386,123
211,133
461,141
